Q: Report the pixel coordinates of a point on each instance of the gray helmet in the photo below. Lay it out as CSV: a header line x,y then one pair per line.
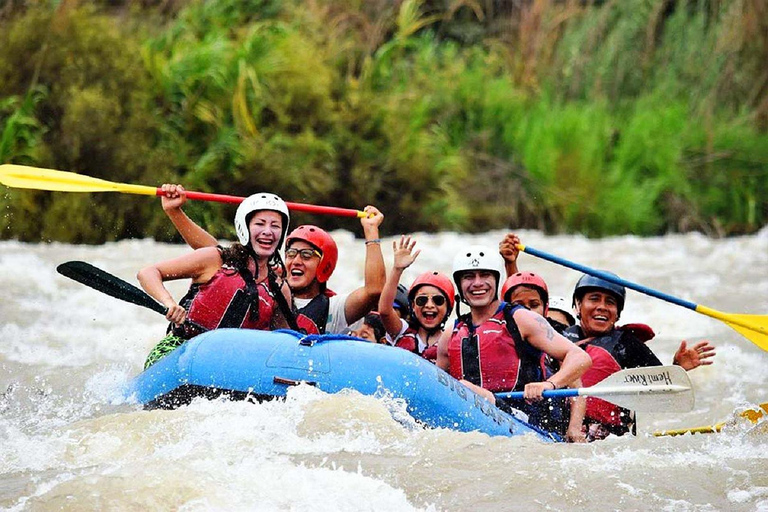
x,y
588,282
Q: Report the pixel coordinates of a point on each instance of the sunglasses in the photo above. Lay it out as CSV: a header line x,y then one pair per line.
x,y
421,300
306,254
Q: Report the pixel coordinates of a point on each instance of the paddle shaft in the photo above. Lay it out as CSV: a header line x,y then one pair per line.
x,y
608,277
602,392
296,207
36,178
642,289
652,388
752,414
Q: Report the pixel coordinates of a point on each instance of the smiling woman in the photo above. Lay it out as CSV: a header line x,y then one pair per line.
x,y
233,287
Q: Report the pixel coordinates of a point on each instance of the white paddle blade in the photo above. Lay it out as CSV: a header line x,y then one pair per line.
x,y
652,388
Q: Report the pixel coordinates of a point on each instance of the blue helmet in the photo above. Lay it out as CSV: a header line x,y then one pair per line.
x,y
588,282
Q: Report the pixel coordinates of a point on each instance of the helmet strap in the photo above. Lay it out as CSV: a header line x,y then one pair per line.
x,y
250,283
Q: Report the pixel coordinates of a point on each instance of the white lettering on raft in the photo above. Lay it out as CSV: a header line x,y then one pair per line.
x,y
487,408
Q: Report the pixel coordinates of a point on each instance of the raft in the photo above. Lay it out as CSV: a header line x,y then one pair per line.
x,y
240,363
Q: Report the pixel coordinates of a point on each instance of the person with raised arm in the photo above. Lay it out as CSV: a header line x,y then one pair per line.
x,y
311,256
531,291
231,287
430,300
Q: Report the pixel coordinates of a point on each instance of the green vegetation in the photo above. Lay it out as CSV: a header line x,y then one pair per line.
x,y
635,116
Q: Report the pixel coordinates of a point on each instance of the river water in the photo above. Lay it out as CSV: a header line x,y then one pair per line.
x,y
68,442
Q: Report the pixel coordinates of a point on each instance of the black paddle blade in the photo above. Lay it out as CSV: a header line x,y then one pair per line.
x,y
95,278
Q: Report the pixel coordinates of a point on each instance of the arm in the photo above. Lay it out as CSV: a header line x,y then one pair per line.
x,y
508,250
364,299
575,432
200,266
573,361
700,354
195,236
403,259
443,360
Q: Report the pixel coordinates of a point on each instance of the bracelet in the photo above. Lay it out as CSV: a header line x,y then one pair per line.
x,y
374,241
554,386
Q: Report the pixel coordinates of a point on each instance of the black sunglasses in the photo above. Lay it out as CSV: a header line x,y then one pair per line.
x,y
421,300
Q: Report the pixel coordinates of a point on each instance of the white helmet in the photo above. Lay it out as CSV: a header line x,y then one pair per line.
x,y
562,305
477,257
255,203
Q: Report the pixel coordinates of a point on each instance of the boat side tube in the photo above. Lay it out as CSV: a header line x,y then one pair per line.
x,y
264,364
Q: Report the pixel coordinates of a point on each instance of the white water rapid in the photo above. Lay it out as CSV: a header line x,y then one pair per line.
x,y
66,441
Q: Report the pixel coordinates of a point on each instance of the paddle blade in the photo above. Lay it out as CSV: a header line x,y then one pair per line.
x,y
708,429
752,327
95,278
22,176
653,388
753,415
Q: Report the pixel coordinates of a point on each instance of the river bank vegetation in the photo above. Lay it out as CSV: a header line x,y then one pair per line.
x,y
631,116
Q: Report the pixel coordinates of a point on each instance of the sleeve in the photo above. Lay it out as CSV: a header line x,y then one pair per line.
x,y
337,318
403,328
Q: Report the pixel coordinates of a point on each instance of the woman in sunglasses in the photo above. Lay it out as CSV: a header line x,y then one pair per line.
x,y
430,298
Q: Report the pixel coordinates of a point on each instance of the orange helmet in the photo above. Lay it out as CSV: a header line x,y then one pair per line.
x,y
323,242
527,279
439,281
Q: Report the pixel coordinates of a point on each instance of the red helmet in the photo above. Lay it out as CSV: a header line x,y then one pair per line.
x,y
439,281
322,241
527,279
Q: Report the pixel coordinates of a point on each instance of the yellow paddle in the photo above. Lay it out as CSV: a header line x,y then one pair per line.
x,y
22,176
752,327
752,415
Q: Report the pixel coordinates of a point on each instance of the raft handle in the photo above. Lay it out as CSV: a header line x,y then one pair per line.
x,y
291,382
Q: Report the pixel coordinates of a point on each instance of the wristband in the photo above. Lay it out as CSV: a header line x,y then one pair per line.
x,y
374,241
554,386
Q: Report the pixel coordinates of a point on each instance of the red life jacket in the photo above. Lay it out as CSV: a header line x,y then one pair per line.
x,y
493,355
603,366
611,353
430,353
409,340
226,300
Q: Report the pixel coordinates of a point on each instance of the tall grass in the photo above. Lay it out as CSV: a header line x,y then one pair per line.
x,y
622,116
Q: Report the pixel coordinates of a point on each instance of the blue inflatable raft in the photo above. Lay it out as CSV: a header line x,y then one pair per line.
x,y
263,364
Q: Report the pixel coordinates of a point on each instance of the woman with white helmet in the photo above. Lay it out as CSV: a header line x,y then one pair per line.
x,y
498,347
231,287
311,256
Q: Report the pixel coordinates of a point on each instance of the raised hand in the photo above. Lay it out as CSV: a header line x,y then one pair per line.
x,y
699,354
404,255
174,196
508,248
372,220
